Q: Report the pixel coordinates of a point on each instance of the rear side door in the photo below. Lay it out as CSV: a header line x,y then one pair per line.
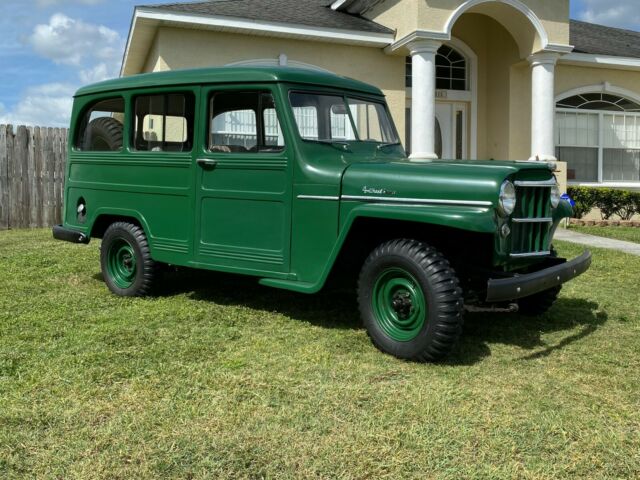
x,y
243,182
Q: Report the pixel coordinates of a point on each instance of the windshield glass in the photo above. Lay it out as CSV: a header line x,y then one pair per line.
x,y
327,118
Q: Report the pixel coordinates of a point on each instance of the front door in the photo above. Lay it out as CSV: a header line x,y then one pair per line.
x,y
243,204
451,130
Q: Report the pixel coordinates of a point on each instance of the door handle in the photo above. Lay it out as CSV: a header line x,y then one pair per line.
x,y
207,162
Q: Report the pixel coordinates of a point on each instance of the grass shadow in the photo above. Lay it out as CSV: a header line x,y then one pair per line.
x,y
338,309
482,330
331,308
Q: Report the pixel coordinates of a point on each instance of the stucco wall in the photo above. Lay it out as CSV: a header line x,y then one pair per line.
x,y
569,77
405,16
182,48
155,62
497,52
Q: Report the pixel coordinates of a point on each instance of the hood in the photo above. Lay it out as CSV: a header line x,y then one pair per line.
x,y
475,183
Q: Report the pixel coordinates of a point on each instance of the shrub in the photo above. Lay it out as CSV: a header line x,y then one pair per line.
x,y
584,198
610,201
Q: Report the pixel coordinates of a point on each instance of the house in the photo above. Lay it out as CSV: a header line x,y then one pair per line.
x,y
489,79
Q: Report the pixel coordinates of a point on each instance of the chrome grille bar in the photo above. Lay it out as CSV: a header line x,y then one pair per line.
x,y
536,183
533,220
531,254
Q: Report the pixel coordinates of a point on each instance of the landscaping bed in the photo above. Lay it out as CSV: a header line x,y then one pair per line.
x,y
217,377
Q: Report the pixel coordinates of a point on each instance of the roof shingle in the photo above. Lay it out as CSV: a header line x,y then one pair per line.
x,y
601,40
313,13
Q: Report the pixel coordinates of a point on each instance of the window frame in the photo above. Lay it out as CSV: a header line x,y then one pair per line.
x,y
467,70
164,92
81,122
261,133
345,97
339,94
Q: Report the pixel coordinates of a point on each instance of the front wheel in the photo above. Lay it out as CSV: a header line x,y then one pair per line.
x,y
410,301
125,258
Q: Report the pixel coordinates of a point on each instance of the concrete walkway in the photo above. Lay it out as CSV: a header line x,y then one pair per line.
x,y
599,242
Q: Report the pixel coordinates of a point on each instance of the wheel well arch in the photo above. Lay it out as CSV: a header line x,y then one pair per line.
x,y
103,221
366,233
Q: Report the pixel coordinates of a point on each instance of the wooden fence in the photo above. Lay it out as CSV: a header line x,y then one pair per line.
x,y
32,172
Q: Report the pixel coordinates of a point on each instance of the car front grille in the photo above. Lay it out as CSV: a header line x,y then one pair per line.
x,y
531,221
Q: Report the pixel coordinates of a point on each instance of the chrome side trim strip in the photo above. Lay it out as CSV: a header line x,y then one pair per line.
x,y
542,183
418,201
533,220
317,197
532,254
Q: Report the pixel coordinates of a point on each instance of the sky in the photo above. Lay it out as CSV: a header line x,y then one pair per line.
x,y
49,48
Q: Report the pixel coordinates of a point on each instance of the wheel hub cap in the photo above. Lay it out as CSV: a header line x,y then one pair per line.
x,y
121,263
399,304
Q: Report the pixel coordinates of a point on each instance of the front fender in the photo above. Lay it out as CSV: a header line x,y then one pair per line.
x,y
475,219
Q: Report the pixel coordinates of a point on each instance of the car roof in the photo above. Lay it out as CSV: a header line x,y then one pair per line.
x,y
230,75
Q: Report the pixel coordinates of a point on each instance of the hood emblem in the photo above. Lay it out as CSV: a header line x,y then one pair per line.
x,y
377,191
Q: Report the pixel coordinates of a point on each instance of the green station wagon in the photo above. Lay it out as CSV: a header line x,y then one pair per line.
x,y
298,178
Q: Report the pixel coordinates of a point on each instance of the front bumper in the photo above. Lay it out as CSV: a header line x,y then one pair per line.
x,y
520,286
68,235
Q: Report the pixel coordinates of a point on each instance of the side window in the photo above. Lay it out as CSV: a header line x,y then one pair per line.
x,y
244,122
101,127
164,123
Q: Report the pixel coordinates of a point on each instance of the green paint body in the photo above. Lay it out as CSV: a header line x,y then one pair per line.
x,y
283,216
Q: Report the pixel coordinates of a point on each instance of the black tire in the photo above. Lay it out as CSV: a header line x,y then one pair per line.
x,y
103,134
539,303
142,269
442,295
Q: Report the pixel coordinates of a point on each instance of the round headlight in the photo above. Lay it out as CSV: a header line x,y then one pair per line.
x,y
556,195
507,201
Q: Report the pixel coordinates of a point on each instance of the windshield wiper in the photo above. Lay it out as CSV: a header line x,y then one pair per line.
x,y
380,146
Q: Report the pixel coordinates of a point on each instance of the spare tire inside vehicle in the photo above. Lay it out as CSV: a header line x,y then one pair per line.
x,y
103,135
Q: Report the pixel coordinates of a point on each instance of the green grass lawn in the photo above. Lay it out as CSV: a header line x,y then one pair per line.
x,y
630,234
218,377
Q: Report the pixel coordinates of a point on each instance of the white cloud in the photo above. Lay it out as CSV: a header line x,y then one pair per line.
x,y
71,42
92,51
97,73
615,13
45,105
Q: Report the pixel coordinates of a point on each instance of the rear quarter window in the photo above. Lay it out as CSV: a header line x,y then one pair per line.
x,y
101,127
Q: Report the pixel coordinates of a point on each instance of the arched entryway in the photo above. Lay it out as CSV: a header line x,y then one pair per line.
x,y
530,43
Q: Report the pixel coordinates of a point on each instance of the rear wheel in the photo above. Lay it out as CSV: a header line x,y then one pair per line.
x,y
125,258
410,301
539,303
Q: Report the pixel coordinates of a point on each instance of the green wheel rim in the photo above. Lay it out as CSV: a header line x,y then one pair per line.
x,y
399,306
121,263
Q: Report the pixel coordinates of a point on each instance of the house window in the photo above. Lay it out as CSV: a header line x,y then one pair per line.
x,y
451,70
598,135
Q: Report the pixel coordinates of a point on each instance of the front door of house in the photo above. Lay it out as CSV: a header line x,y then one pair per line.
x,y
451,130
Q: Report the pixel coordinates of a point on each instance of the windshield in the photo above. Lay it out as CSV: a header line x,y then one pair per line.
x,y
327,118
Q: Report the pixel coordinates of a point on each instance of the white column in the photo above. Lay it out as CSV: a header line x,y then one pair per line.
x,y
423,98
543,66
